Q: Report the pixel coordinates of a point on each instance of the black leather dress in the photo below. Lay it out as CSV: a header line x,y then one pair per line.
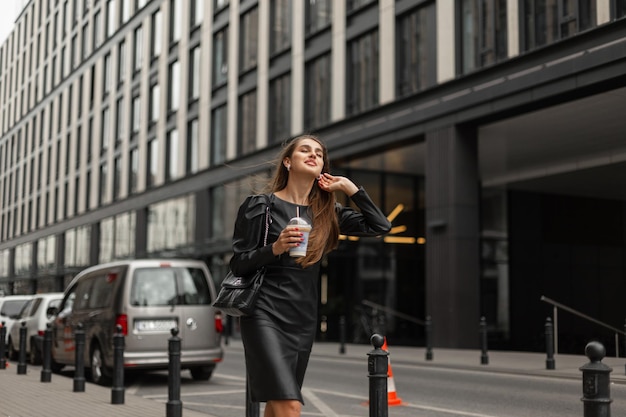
x,y
279,335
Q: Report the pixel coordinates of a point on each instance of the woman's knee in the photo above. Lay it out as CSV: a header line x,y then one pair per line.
x,y
286,408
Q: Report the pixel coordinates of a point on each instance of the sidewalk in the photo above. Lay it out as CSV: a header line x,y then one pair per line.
x,y
26,396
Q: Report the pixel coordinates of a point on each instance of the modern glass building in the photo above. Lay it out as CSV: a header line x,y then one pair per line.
x,y
492,132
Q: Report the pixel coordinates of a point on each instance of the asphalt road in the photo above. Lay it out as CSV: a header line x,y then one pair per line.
x,y
339,388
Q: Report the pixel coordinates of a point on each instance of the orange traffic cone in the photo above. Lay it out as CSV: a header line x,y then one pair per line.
x,y
392,397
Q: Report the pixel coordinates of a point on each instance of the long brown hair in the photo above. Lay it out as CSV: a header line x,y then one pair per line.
x,y
325,233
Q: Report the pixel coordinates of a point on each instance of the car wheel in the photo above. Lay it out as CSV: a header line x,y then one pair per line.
x,y
202,373
11,352
99,374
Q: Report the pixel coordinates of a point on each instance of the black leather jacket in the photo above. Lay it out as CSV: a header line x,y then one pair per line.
x,y
249,254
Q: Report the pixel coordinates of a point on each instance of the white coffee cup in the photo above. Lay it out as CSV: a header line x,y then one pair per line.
x,y
305,228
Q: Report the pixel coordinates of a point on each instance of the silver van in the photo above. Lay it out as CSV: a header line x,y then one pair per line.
x,y
147,298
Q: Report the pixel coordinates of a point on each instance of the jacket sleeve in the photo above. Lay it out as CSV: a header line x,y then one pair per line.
x,y
249,254
370,221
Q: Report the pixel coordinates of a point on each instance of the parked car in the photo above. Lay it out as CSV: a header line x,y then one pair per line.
x,y
147,298
36,314
10,308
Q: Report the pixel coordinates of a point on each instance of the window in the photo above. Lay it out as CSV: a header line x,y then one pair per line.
x,y
155,96
620,8
138,56
318,15
196,12
107,74
219,135
220,4
416,58
249,37
156,34
174,86
103,184
317,92
546,21
136,115
171,167
175,17
153,162
483,33
97,30
220,57
194,76
362,65
111,24
280,24
104,139
192,147
117,175
120,121
280,103
121,69
247,123
133,170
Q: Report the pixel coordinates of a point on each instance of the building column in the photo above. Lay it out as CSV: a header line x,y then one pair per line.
x,y
452,236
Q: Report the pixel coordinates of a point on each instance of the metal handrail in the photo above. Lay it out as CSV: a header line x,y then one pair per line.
x,y
557,305
393,312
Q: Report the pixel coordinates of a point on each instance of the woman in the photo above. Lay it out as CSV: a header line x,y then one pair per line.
x,y
279,335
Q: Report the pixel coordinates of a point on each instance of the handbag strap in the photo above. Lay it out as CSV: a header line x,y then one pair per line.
x,y
268,219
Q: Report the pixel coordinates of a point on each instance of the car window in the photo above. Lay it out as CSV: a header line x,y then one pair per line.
x,y
53,304
68,303
34,306
102,290
153,287
12,308
195,287
25,310
82,293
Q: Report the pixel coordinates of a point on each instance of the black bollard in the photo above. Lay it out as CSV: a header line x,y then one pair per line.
x,y
596,382
625,345
21,357
484,358
549,344
342,335
117,388
46,370
174,406
427,331
377,366
79,359
252,407
3,352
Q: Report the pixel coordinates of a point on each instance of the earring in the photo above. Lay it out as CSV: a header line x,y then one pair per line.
x,y
288,167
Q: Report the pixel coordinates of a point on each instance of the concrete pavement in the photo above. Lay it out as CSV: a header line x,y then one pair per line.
x,y
26,396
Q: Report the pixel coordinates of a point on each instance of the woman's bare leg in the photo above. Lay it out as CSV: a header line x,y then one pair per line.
x,y
283,408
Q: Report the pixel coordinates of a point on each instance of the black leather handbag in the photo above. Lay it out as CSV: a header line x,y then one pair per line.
x,y
238,295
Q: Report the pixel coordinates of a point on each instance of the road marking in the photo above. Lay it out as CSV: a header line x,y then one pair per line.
x,y
195,394
319,404
447,410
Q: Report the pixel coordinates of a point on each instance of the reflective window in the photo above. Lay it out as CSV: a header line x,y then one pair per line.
x,y
153,162
192,147
416,58
138,56
194,76
483,29
318,15
156,33
133,170
247,123
171,224
280,103
546,21
280,24
174,86
362,82
317,92
248,38
220,57
175,20
171,163
219,135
